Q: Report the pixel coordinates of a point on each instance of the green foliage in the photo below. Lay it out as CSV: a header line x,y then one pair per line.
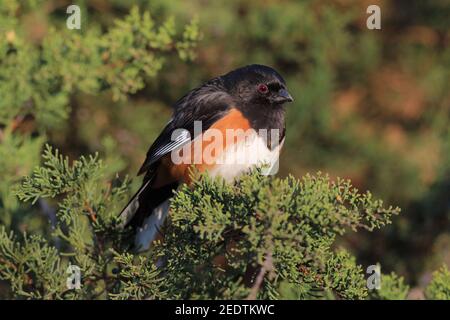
x,y
139,278
32,267
439,287
275,230
18,155
287,223
42,79
86,219
392,288
345,277
260,237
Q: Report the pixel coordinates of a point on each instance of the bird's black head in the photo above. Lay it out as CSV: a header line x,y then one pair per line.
x,y
257,84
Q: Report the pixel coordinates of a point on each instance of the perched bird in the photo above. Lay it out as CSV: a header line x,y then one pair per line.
x,y
225,127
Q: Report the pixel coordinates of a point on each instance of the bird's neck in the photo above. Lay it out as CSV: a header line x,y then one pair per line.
x,y
265,116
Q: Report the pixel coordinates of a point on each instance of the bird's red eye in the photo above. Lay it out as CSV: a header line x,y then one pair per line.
x,y
263,88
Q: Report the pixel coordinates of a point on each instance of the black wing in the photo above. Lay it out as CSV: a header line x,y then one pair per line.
x,y
207,104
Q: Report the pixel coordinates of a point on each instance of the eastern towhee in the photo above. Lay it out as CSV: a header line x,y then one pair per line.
x,y
225,127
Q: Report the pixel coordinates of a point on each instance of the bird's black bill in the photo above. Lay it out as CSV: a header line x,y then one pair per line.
x,y
283,96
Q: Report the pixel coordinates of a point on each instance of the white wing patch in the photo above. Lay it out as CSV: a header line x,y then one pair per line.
x,y
178,139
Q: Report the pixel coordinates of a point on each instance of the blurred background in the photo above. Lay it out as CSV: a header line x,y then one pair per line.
x,y
370,105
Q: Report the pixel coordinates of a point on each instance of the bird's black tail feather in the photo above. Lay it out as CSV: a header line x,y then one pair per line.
x,y
143,202
129,212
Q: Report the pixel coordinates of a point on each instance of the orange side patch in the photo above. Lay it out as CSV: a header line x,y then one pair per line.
x,y
202,151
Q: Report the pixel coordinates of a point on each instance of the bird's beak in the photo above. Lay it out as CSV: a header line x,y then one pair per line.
x,y
283,96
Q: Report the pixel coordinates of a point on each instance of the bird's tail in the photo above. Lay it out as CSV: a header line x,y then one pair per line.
x,y
145,213
129,213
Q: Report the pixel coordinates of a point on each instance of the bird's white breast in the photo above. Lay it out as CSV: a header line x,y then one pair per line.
x,y
239,158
